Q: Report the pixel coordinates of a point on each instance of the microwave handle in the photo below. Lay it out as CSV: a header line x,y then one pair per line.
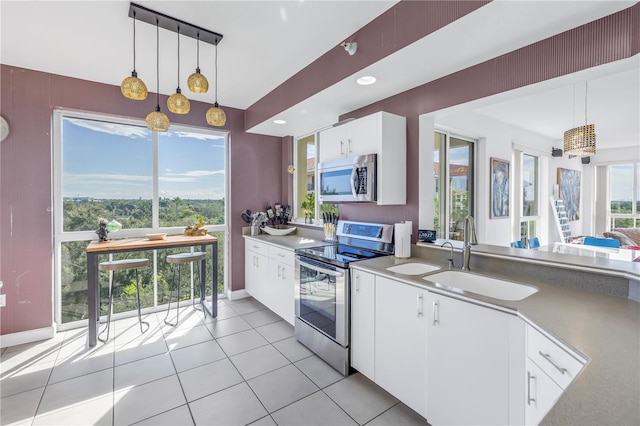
x,y
353,184
321,270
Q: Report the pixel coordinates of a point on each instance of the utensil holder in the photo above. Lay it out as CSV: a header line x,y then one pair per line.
x,y
255,230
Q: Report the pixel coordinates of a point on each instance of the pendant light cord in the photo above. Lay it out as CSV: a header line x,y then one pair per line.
x,y
198,53
134,41
586,88
157,65
178,57
216,64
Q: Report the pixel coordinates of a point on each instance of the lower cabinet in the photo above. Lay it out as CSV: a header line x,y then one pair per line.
x,y
401,342
541,393
363,289
269,277
468,364
549,370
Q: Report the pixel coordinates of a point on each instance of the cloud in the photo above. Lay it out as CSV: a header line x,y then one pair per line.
x,y
176,179
199,136
197,173
112,128
102,177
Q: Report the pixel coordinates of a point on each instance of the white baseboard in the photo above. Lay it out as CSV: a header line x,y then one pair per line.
x,y
22,337
238,294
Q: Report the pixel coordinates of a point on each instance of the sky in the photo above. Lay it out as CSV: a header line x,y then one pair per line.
x,y
114,161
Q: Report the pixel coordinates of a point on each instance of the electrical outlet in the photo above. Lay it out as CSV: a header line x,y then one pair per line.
x,y
3,300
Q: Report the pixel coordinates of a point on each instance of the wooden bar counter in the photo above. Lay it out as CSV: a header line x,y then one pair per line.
x,y
95,248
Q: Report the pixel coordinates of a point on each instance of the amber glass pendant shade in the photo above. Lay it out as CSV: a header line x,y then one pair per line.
x,y
178,103
157,121
580,141
132,87
197,82
216,116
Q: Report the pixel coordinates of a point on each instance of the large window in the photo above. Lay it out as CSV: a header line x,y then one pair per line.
x,y
116,169
530,185
453,163
624,195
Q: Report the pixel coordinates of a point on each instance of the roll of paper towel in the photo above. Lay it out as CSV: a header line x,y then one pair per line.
x,y
402,239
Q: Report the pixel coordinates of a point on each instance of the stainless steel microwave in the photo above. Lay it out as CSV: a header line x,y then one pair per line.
x,y
348,180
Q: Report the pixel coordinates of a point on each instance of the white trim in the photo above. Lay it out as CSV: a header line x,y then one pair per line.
x,y
237,294
22,337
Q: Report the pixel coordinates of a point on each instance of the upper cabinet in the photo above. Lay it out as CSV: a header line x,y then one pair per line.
x,y
381,133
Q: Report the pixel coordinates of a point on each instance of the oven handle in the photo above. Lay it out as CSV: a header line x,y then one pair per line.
x,y
320,270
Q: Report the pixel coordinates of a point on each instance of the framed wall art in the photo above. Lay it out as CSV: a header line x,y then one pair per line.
x,y
500,176
569,192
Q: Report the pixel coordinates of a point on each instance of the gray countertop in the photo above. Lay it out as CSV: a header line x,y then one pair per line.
x,y
294,241
606,329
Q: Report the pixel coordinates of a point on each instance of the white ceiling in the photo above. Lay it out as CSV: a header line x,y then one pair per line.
x,y
266,42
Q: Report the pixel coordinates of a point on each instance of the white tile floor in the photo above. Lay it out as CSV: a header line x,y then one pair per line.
x,y
243,367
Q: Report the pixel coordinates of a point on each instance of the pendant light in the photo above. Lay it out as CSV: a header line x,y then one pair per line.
x,y
197,82
581,141
133,87
215,115
178,103
157,121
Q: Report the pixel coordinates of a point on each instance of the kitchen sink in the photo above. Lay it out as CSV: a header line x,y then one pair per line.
x,y
480,284
413,268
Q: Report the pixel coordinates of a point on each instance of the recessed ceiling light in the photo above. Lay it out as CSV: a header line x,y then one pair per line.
x,y
280,121
366,80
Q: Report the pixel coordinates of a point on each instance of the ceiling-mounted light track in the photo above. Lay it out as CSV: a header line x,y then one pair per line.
x,y
169,23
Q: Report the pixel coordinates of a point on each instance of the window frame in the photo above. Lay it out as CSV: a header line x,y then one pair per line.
x,y
444,230
635,196
60,236
527,221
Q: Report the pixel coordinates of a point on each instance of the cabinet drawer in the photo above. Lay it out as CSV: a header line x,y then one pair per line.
x,y
561,366
256,246
281,255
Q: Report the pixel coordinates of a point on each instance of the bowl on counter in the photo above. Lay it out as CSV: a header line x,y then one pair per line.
x,y
160,236
278,229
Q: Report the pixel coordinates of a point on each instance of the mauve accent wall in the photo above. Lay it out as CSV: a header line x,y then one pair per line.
x,y
26,256
398,27
605,40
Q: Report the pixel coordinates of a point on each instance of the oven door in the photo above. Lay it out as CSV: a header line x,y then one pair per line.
x,y
322,298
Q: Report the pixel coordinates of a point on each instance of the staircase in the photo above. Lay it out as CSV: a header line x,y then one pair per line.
x,y
561,218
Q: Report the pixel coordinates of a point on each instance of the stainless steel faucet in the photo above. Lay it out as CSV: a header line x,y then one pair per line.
x,y
450,258
470,239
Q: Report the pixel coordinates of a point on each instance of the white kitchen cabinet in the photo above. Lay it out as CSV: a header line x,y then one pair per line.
x,y
550,368
363,287
256,266
401,342
468,363
541,393
380,133
357,137
269,277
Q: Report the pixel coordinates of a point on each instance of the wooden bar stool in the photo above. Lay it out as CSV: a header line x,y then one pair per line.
x,y
176,260
122,265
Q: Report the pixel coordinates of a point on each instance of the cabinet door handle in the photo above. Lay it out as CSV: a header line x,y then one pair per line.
x,y
436,313
529,377
254,260
419,305
548,358
357,282
283,277
349,147
341,147
257,262
256,247
280,254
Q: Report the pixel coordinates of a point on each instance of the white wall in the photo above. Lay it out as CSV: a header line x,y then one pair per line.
x,y
497,139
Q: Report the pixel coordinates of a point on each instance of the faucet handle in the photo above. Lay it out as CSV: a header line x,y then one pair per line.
x,y
450,263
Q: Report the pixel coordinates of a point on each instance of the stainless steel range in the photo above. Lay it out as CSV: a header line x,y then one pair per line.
x,y
323,288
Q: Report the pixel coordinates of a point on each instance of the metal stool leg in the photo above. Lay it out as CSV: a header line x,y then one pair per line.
x,y
173,267
199,306
139,313
109,311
